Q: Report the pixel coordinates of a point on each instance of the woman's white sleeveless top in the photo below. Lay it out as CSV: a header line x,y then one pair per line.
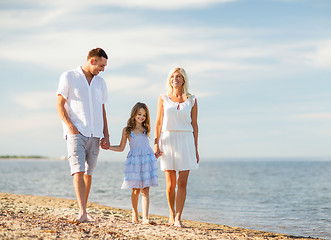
x,y
177,116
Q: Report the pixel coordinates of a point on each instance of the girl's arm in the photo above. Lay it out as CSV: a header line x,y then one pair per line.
x,y
158,127
194,116
121,147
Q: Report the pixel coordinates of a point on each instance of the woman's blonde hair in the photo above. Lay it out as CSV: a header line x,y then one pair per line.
x,y
131,124
185,85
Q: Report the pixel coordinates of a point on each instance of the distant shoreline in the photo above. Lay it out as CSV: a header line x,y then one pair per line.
x,y
22,157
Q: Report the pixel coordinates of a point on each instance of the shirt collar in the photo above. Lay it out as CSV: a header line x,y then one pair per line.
x,y
80,70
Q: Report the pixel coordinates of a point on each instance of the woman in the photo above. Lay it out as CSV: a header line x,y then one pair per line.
x,y
176,140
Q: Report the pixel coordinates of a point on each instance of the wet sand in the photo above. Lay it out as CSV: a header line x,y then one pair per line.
x,y
27,217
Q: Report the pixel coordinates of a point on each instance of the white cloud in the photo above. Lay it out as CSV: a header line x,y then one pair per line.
x,y
313,116
127,46
321,57
28,18
132,86
122,82
36,122
143,4
204,48
169,4
37,100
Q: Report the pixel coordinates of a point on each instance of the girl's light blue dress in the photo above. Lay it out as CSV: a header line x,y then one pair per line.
x,y
141,164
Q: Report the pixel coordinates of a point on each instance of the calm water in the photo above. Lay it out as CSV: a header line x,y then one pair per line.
x,y
290,197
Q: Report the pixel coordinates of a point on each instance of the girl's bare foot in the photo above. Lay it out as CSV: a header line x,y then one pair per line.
x,y
171,221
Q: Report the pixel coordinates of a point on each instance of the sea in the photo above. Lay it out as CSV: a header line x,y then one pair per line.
x,y
288,196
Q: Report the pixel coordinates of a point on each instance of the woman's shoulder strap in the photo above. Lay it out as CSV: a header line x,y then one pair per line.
x,y
164,96
192,99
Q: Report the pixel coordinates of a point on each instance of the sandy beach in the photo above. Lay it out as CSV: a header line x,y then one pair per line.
x,y
26,217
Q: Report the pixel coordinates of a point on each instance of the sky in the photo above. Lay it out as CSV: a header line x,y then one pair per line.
x,y
259,69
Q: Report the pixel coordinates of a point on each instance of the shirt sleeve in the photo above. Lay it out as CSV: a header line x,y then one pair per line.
x,y
63,88
104,93
164,97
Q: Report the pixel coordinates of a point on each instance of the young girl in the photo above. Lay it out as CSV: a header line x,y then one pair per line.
x,y
141,164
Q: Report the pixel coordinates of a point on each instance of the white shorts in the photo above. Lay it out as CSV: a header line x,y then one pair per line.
x,y
82,153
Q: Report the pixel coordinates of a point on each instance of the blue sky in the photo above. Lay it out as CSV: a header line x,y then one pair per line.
x,y
260,69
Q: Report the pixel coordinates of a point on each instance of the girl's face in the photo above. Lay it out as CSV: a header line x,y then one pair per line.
x,y
176,80
140,116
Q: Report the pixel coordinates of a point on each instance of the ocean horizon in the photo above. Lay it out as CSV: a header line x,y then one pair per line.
x,y
283,195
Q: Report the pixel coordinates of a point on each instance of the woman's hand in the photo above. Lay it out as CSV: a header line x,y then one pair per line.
x,y
198,157
157,151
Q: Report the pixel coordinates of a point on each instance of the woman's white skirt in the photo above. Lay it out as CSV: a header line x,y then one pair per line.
x,y
178,151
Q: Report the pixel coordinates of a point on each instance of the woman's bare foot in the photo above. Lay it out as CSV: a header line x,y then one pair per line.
x,y
178,223
146,222
80,219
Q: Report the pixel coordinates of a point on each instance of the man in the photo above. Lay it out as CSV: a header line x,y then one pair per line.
x,y
81,105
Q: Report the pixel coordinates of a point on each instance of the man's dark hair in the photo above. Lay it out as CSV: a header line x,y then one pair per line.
x,y
97,52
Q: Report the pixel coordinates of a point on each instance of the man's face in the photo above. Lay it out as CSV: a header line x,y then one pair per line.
x,y
98,65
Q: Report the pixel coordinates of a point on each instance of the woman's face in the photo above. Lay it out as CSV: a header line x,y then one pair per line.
x,y
141,116
176,80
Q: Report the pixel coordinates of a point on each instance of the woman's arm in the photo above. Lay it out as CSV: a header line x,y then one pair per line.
x,y
121,147
194,116
158,127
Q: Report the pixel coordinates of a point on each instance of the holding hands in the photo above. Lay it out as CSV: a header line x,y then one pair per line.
x,y
105,143
157,151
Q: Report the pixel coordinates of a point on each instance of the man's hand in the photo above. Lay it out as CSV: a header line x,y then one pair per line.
x,y
73,130
105,143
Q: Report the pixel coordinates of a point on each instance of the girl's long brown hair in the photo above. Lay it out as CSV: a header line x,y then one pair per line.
x,y
131,124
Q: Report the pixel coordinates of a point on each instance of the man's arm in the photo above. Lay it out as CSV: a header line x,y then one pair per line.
x,y
105,143
64,115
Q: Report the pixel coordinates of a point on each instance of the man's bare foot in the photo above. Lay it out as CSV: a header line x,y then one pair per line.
x,y
90,217
75,221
